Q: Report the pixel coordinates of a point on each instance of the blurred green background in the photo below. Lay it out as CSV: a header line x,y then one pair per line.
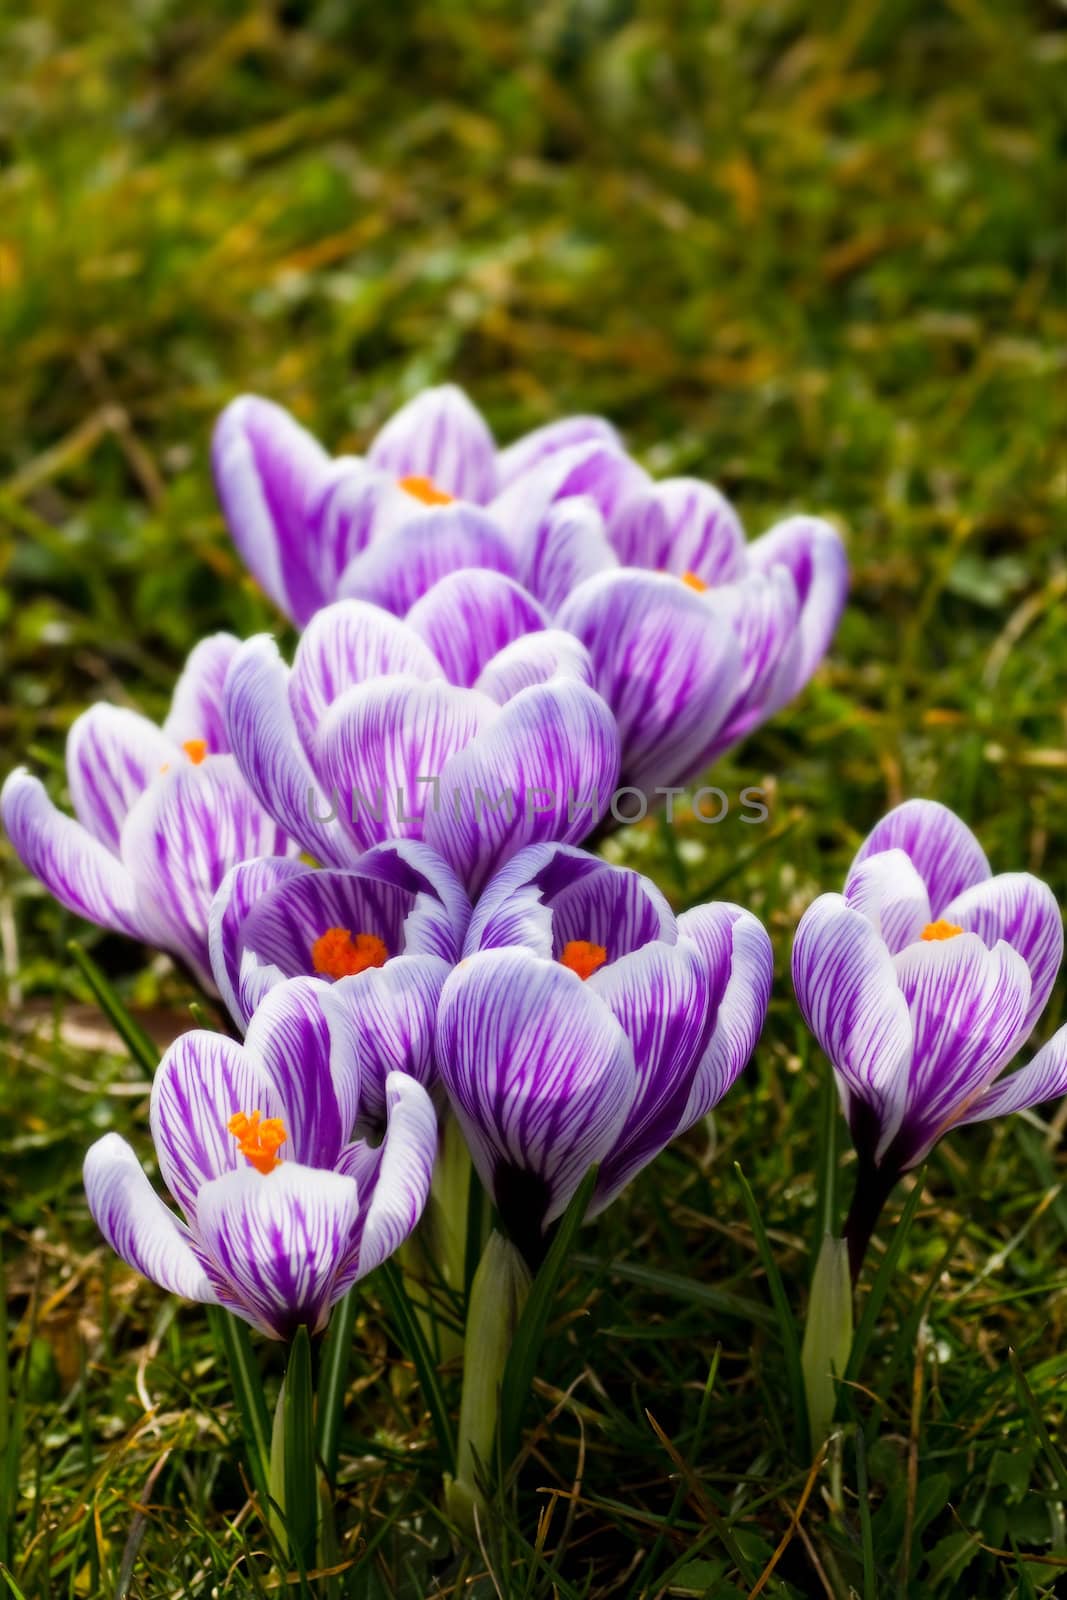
x,y
812,252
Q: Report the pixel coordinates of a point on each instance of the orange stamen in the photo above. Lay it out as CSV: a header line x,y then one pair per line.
x,y
258,1140
582,957
426,490
935,931
195,749
336,954
691,580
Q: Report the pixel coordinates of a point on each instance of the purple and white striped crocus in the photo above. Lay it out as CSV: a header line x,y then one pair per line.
x,y
367,739
695,636
283,1210
587,1024
921,982
160,815
384,933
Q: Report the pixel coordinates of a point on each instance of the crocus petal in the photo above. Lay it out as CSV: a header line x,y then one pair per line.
x,y
763,612
289,1040
437,921
744,996
511,909
136,1223
1023,911
533,448
544,769
342,515
662,997
664,663
681,525
891,895
846,984
267,748
468,616
397,570
179,841
812,551
112,756
346,644
539,1073
267,469
439,435
201,1082
197,706
567,546
593,469
1045,1078
968,1012
77,869
942,849
611,906
535,658
242,889
274,1243
382,1020
393,1178
383,746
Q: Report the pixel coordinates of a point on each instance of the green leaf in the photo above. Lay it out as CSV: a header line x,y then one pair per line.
x,y
130,1032
235,1340
413,1343
681,1288
299,1474
787,1328
333,1378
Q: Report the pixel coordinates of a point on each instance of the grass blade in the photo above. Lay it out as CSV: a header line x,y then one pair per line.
x,y
333,1376
413,1342
130,1032
787,1328
236,1342
1029,1400
681,1288
299,1473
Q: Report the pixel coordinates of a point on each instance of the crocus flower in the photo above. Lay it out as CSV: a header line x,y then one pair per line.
x,y
695,636
160,815
921,983
283,1210
385,934
587,1024
366,739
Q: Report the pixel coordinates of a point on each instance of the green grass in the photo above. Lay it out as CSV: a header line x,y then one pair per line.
x,y
813,252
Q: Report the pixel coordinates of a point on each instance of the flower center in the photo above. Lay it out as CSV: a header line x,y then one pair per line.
x,y
258,1140
195,749
582,957
691,581
336,954
426,490
935,931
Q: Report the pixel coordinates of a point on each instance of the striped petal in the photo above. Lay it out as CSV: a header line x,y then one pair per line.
x,y
540,1075
347,644
610,906
726,933
535,658
543,770
393,1177
437,921
399,568
136,1223
469,616
112,756
343,514
567,546
267,470
664,663
593,469
197,707
764,613
535,447
847,988
812,552
274,1243
382,1021
272,759
383,746
681,525
941,848
889,892
1045,1078
1023,911
241,890
288,1039
77,869
439,435
201,1082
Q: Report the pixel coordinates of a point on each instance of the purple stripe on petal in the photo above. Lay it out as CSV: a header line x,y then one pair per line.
x,y
533,448
136,1223
891,895
399,568
593,470
681,525
112,756
942,849
393,1179
814,555
382,1021
348,644
538,1070
469,616
289,1041
283,929
535,658
342,516
1044,1079
242,889
763,612
1023,911
77,869
439,435
613,907
567,546
744,991
438,920
197,709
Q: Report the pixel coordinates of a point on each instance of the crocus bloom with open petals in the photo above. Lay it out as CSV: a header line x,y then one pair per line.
x,y
386,933
921,983
160,815
586,1024
695,636
366,739
283,1210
